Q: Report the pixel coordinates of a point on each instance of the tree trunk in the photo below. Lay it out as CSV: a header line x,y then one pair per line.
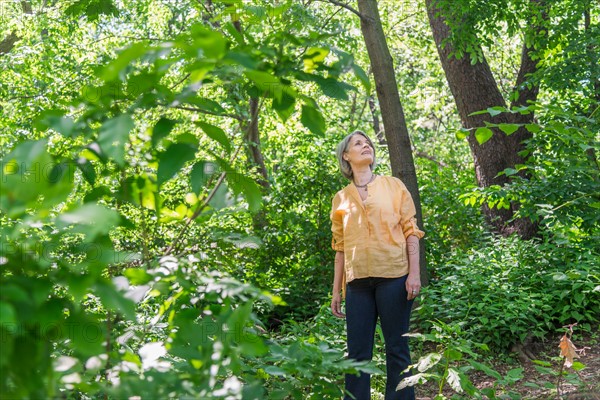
x,y
377,128
474,89
8,43
253,141
252,132
392,114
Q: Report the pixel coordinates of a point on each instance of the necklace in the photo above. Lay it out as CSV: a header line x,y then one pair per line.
x,y
365,185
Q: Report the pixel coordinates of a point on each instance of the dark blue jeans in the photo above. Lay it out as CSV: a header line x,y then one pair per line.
x,y
366,300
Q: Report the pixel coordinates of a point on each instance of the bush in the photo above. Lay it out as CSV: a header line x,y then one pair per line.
x,y
510,289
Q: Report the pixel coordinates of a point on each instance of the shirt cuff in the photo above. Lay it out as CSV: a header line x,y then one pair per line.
x,y
411,228
337,246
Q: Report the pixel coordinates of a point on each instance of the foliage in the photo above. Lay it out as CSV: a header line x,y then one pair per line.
x,y
111,164
506,290
559,183
561,374
138,254
449,365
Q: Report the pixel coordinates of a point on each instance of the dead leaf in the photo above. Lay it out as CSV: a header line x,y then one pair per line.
x,y
567,350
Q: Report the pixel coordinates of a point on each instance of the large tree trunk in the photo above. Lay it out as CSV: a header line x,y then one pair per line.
x,y
474,89
392,114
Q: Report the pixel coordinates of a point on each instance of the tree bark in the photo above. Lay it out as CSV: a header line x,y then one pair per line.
x,y
253,141
474,89
8,43
392,114
377,128
252,131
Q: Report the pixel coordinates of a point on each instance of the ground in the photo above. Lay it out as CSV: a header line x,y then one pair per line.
x,y
540,383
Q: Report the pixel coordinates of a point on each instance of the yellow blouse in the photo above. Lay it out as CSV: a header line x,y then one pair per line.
x,y
372,234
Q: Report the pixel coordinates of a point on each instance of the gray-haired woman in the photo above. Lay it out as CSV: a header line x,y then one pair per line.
x,y
376,239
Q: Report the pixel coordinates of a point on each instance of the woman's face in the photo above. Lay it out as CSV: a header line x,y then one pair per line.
x,y
359,151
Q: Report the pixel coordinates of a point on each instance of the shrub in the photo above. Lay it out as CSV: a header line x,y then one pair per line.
x,y
510,289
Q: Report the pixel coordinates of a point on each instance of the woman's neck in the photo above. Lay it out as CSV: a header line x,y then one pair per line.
x,y
362,176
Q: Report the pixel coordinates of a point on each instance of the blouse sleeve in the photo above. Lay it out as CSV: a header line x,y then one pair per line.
x,y
337,225
408,212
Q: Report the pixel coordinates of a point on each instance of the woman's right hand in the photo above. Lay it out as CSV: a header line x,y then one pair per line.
x,y
336,306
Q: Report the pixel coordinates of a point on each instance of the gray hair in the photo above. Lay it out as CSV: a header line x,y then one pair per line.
x,y
342,148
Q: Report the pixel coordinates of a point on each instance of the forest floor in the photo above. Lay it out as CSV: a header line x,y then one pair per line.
x,y
539,383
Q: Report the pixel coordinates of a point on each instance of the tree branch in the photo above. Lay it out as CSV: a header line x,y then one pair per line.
x,y
431,158
194,109
201,206
347,7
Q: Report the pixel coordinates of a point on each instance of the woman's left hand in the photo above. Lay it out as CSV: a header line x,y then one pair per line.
x,y
413,285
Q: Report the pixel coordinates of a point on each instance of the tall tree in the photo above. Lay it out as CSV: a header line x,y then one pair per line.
x,y
474,89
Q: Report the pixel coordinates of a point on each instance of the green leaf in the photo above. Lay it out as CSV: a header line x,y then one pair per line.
x,y
235,34
313,57
93,220
63,125
220,199
60,184
466,384
114,300
172,160
578,366
542,363
203,104
111,71
163,127
333,88
79,285
493,111
514,375
453,355
243,58
29,172
216,133
313,120
284,106
8,318
275,371
86,334
462,133
243,184
269,85
201,172
483,135
509,129
211,43
533,128
509,171
113,135
362,76
92,9
137,276
416,379
87,170
485,369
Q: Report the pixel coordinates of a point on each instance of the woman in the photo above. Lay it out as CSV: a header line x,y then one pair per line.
x,y
376,239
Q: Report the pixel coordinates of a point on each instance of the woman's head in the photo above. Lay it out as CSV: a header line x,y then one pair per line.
x,y
343,149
